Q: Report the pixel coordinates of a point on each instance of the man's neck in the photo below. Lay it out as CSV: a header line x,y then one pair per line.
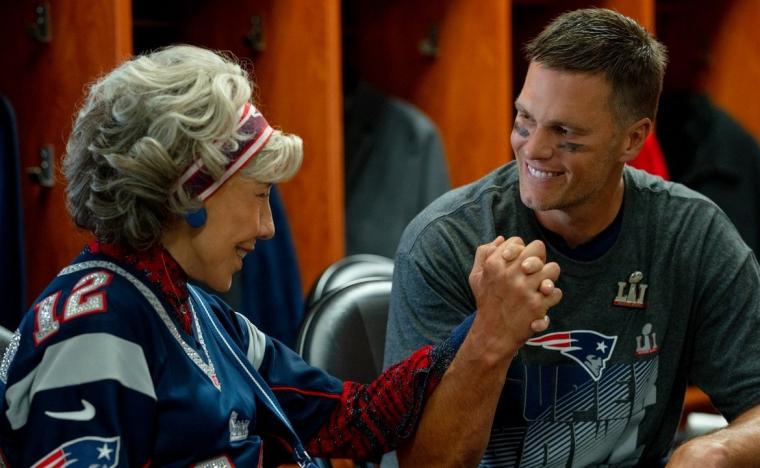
x,y
579,224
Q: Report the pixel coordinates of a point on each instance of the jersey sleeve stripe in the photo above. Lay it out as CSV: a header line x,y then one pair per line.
x,y
79,360
283,388
257,341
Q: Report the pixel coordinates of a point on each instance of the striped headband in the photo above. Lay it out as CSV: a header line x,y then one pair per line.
x,y
200,184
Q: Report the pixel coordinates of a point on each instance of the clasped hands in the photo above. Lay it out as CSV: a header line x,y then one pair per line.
x,y
514,287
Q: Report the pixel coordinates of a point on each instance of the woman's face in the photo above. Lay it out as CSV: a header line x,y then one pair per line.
x,y
238,214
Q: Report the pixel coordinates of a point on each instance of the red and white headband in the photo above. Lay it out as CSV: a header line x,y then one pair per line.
x,y
199,184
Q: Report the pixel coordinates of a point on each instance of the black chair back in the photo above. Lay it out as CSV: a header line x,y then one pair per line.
x,y
346,270
344,332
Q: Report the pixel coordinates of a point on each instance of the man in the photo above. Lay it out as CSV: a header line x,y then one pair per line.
x,y
659,290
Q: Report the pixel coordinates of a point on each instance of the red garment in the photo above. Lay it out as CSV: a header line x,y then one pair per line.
x,y
383,412
162,271
651,159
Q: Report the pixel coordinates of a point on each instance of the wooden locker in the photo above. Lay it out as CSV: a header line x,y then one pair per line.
x,y
463,86
45,81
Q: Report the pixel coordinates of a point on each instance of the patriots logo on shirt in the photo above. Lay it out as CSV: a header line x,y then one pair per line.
x,y
95,452
588,348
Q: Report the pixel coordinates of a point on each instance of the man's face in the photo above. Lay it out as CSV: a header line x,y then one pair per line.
x,y
565,141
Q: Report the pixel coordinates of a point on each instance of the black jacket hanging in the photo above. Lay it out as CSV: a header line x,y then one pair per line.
x,y
708,151
13,271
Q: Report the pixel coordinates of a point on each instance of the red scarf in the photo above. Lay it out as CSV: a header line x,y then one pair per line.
x,y
161,270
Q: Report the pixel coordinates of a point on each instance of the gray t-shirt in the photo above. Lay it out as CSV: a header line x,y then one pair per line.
x,y
675,300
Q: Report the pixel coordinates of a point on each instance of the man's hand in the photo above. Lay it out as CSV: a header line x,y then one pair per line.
x,y
514,288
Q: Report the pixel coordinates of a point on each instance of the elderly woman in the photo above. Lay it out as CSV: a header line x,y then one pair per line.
x,y
120,362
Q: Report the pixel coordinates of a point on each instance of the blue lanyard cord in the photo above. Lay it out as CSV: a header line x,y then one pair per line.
x,y
301,457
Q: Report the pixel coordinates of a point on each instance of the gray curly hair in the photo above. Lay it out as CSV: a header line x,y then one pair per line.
x,y
147,121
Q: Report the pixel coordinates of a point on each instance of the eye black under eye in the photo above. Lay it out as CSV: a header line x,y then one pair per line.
x,y
522,131
571,147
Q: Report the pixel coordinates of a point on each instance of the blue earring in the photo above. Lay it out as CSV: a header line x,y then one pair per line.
x,y
196,218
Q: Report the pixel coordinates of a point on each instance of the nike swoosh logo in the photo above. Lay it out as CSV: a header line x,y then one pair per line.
x,y
85,414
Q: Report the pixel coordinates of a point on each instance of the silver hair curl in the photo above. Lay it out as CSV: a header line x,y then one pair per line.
x,y
143,124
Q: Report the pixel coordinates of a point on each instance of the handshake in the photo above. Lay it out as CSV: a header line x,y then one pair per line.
x,y
514,287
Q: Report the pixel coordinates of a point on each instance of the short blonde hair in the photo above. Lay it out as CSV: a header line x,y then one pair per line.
x,y
143,124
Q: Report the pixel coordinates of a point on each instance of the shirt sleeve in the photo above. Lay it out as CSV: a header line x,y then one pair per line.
x,y
430,296
726,332
79,389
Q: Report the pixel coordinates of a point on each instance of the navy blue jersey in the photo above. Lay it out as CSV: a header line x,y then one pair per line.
x,y
102,372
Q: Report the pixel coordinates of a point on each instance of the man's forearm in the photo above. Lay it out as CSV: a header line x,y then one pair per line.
x,y
456,424
736,445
